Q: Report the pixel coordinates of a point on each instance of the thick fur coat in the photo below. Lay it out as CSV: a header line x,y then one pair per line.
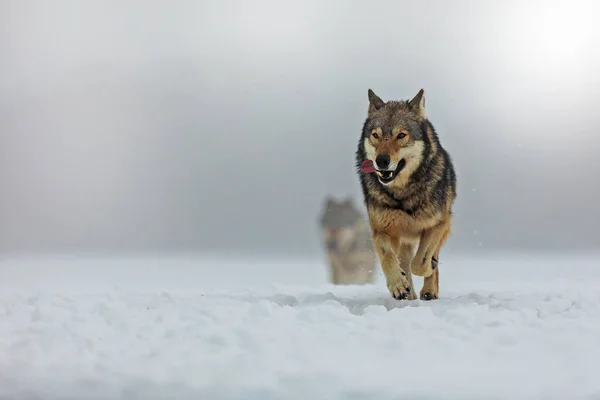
x,y
408,190
346,239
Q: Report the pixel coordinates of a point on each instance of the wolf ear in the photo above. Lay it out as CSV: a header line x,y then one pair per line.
x,y
417,104
329,201
375,103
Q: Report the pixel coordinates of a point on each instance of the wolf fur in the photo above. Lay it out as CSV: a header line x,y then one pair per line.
x,y
346,239
409,197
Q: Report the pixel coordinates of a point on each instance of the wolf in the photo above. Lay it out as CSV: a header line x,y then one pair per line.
x,y
346,239
408,183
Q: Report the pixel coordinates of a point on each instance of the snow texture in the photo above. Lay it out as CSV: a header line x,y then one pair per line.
x,y
505,327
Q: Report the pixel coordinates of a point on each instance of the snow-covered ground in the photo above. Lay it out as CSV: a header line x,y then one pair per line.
x,y
506,327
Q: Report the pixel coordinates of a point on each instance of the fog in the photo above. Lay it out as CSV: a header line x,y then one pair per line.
x,y
220,126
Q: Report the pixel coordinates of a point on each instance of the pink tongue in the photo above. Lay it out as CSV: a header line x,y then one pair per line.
x,y
367,166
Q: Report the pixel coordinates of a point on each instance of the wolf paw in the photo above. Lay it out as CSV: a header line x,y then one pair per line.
x,y
400,288
428,296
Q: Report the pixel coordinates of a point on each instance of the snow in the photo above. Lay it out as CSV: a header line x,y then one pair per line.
x,y
505,327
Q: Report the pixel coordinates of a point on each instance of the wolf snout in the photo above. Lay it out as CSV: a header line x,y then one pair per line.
x,y
382,161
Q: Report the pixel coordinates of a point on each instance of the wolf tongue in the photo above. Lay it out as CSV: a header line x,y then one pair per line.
x,y
367,166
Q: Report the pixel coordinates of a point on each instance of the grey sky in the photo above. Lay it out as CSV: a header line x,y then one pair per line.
x,y
221,125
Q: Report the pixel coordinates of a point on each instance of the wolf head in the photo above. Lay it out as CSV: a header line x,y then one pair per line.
x,y
393,136
340,222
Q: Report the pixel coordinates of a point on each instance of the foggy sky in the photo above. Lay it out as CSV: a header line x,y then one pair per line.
x,y
222,125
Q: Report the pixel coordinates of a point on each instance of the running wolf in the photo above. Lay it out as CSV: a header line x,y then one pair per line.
x,y
409,186
347,242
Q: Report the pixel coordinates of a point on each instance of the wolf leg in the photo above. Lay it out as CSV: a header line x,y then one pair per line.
x,y
405,253
335,275
431,283
396,277
431,242
427,258
334,272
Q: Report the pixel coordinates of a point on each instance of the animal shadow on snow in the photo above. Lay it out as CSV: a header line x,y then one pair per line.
x,y
357,303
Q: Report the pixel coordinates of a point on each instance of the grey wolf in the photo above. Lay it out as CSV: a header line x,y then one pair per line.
x,y
409,186
346,239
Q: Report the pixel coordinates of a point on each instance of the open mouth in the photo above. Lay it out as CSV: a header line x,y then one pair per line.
x,y
384,176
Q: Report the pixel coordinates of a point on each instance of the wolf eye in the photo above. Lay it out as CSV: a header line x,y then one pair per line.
x,y
401,135
375,135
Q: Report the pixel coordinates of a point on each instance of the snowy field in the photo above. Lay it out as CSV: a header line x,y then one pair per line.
x,y
505,327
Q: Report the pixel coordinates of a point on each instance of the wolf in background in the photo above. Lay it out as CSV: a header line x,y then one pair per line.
x,y
409,186
346,239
